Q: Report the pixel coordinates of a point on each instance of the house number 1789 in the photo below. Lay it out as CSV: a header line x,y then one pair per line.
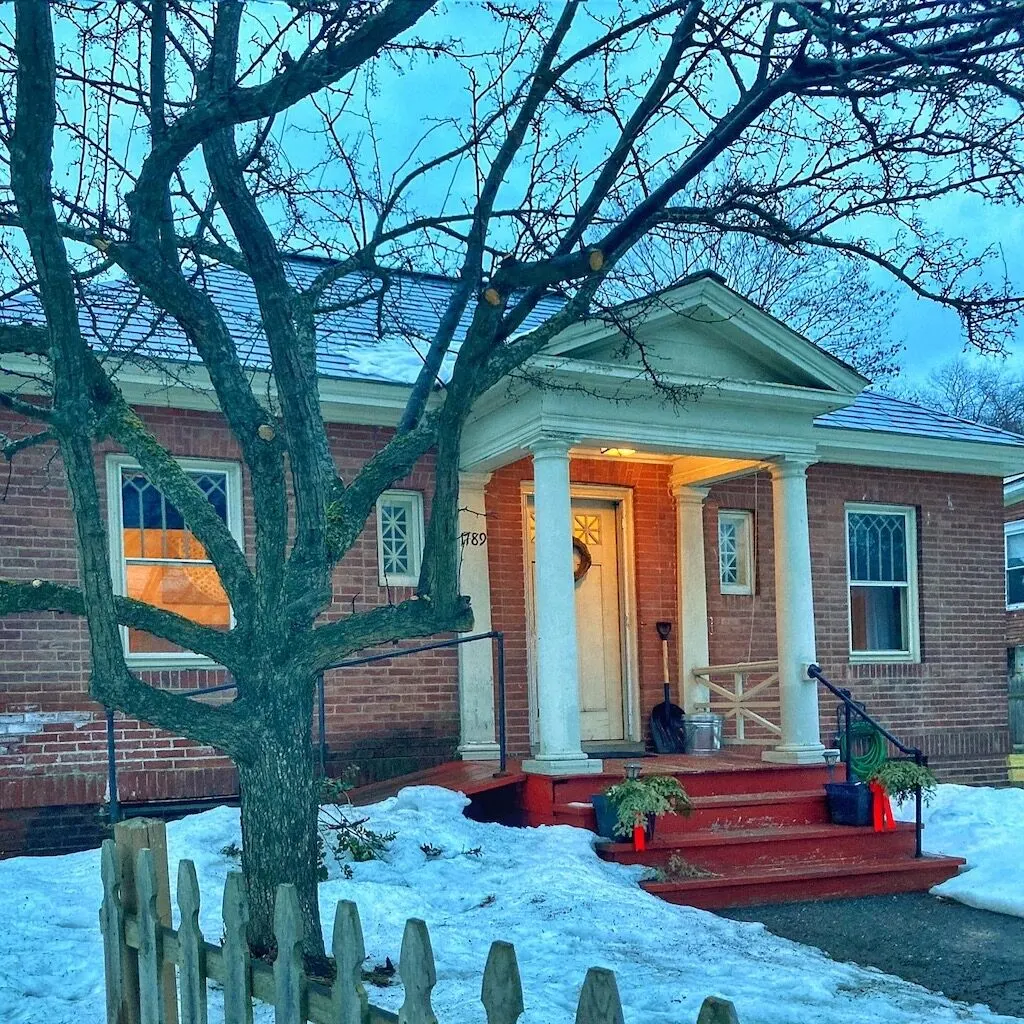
x,y
473,540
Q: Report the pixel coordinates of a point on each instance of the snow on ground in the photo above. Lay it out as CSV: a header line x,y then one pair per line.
x,y
985,826
544,889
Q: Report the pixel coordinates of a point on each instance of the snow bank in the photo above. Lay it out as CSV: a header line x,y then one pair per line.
x,y
986,826
543,889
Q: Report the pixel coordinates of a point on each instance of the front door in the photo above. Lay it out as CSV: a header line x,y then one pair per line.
x,y
599,631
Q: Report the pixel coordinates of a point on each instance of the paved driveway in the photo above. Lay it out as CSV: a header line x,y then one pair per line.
x,y
970,955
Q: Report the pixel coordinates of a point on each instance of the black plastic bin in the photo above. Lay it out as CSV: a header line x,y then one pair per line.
x,y
849,803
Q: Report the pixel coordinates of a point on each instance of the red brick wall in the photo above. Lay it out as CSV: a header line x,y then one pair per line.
x,y
392,718
953,704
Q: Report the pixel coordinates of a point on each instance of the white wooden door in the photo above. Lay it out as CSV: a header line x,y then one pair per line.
x,y
598,619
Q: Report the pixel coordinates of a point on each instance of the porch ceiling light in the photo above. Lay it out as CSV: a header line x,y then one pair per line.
x,y
618,451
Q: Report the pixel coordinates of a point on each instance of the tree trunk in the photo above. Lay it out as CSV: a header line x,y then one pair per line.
x,y
280,806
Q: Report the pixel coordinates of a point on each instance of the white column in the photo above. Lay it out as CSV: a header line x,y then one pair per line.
x,y
794,617
559,751
476,660
693,593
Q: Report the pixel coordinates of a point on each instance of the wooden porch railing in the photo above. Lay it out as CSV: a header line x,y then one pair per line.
x,y
745,694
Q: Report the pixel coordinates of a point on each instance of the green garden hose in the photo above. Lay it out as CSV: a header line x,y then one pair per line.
x,y
869,749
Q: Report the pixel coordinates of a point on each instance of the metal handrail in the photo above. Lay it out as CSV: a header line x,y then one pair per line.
x,y
496,635
852,707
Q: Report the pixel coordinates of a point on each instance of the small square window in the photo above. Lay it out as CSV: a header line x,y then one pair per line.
x,y
1014,565
399,538
736,552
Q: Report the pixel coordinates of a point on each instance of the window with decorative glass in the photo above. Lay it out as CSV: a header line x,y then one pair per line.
x,y
1014,565
399,538
736,551
882,575
157,559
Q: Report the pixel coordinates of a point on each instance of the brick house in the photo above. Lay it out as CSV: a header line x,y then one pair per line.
x,y
1013,501
783,515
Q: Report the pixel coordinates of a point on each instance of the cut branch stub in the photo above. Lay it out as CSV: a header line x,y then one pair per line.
x,y
599,1000
717,1011
492,296
595,259
288,976
237,972
348,996
416,968
502,990
191,948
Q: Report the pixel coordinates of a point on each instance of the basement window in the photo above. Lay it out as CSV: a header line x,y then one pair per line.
x,y
399,538
155,557
882,579
1014,533
736,551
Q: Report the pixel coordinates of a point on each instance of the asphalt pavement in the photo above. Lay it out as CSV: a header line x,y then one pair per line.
x,y
970,955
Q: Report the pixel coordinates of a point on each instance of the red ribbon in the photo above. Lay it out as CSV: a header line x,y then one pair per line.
x,y
882,808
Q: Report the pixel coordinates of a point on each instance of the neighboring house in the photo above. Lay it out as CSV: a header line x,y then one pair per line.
x,y
1013,500
782,515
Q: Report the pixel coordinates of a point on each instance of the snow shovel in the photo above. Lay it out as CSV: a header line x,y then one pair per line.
x,y
667,731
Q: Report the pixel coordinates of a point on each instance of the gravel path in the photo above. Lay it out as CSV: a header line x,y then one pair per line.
x,y
970,955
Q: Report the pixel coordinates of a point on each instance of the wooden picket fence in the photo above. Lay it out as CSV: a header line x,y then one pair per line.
x,y
156,975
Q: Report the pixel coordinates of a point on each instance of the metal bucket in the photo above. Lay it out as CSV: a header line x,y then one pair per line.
x,y
703,733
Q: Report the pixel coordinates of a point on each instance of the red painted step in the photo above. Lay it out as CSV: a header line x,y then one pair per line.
x,y
791,883
704,780
725,850
730,810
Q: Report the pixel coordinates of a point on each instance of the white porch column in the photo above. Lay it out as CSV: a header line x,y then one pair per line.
x,y
476,660
794,617
693,593
559,751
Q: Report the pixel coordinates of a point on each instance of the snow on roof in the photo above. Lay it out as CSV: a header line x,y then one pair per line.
x,y
370,339
382,340
880,413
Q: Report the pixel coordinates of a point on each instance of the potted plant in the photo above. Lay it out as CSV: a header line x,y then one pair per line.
x,y
900,779
638,801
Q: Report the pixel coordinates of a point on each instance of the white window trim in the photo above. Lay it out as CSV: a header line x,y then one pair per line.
x,y
115,530
1009,530
913,655
415,539
744,536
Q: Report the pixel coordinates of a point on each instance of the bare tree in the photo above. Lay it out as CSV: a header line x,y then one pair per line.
x,y
983,391
830,298
153,143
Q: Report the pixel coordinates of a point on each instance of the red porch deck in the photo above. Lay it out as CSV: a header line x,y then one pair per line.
x,y
759,832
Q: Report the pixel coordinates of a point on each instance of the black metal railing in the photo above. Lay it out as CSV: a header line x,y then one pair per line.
x,y
850,707
495,635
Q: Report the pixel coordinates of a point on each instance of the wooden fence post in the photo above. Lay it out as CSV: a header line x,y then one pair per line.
x,y
349,1002
599,1000
237,971
191,948
416,968
130,837
112,928
289,980
502,990
151,995
717,1011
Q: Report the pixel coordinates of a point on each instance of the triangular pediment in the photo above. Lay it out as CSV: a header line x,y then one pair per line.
x,y
703,330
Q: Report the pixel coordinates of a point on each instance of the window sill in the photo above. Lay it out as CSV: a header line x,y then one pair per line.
x,y
182,662
884,658
399,581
